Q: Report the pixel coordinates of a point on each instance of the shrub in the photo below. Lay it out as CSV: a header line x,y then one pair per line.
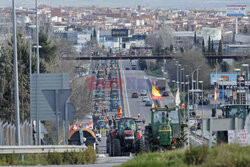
x,y
89,155
196,155
55,158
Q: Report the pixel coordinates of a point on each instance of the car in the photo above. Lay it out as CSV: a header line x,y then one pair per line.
x,y
134,68
135,95
165,93
205,101
145,98
127,68
143,92
148,103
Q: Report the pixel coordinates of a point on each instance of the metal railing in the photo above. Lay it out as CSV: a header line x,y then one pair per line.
x,y
8,134
40,149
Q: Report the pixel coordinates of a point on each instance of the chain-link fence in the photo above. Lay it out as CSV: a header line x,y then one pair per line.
x,y
8,134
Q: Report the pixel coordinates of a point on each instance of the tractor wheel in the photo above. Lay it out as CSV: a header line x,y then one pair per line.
x,y
110,148
148,139
141,145
116,147
107,146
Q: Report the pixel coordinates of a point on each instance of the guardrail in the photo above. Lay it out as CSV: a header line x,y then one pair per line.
x,y
40,149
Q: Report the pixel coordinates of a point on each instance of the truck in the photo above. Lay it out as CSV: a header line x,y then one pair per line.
x,y
161,83
133,64
167,129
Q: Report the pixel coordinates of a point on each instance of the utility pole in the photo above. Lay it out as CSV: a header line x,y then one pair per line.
x,y
38,70
37,41
17,121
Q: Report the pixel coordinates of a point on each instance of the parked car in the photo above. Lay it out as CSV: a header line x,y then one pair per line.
x,y
148,103
165,93
143,92
127,68
205,101
145,98
135,95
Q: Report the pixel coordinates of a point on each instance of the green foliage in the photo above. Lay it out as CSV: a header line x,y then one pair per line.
x,y
48,51
143,64
219,156
203,46
89,156
47,54
196,155
52,158
209,45
195,38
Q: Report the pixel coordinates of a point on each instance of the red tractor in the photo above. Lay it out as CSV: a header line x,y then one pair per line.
x,y
124,137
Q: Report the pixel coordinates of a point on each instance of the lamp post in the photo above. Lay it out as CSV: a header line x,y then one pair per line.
x,y
187,76
17,116
238,70
181,78
246,80
202,115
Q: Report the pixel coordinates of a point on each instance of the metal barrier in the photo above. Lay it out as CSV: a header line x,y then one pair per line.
x,y
8,134
40,149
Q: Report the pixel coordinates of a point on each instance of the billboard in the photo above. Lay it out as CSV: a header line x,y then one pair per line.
x,y
119,32
223,76
236,10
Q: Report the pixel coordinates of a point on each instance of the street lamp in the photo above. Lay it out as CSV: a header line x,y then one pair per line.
x,y
202,115
181,78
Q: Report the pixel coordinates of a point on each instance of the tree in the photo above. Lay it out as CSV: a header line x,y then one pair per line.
x,y
171,48
209,45
195,40
203,46
212,47
94,34
220,48
48,51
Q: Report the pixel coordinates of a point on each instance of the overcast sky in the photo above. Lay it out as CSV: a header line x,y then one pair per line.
x,y
165,4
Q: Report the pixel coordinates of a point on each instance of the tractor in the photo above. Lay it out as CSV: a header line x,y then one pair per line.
x,y
125,136
166,130
232,111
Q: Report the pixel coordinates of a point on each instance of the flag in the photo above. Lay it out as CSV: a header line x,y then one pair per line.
x,y
215,94
119,113
177,98
155,92
153,105
183,106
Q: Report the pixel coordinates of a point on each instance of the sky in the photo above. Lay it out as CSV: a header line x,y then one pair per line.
x,y
153,4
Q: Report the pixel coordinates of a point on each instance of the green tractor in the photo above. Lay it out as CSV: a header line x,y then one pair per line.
x,y
232,111
166,130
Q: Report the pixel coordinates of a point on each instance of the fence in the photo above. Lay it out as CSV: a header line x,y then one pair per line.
x,y
8,134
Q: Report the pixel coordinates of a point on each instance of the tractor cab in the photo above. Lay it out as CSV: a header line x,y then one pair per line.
x,y
165,130
232,111
235,110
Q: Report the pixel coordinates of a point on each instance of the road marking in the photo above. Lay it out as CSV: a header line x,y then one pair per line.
x,y
125,90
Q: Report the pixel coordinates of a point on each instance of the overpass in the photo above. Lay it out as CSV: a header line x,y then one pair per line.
x,y
123,57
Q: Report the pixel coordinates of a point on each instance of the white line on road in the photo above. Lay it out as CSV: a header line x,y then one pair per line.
x,y
125,91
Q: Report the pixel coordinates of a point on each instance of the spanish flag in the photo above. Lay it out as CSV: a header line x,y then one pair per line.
x,y
155,92
119,113
215,94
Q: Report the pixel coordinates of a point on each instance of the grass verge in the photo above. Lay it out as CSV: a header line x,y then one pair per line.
x,y
86,157
220,156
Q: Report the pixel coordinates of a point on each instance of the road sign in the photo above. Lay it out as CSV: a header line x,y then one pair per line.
x,y
162,67
40,108
62,97
236,10
119,32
